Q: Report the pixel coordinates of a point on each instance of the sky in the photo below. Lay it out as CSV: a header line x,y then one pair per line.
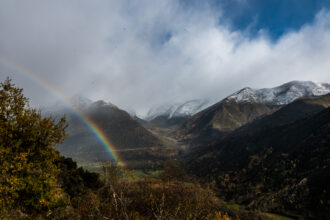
x,y
142,53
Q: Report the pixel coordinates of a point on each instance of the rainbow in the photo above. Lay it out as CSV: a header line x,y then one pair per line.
x,y
92,127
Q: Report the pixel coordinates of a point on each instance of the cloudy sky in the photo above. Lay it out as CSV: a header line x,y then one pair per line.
x,y
141,53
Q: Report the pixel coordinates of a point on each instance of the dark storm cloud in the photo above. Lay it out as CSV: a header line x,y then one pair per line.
x,y
137,54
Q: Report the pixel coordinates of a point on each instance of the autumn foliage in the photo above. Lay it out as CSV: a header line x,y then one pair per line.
x,y
28,175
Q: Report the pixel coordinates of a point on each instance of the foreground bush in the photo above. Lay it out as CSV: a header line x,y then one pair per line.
x,y
151,198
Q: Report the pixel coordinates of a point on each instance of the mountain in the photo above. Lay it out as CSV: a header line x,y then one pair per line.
x,y
134,144
190,108
174,114
281,95
244,106
279,163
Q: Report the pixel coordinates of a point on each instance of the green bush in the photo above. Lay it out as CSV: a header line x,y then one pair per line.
x,y
28,173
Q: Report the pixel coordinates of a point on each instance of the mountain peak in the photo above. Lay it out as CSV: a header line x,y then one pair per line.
x,y
185,109
102,103
282,94
244,95
83,103
190,107
79,101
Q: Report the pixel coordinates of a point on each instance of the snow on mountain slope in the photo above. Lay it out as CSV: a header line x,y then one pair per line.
x,y
178,109
281,95
191,107
162,110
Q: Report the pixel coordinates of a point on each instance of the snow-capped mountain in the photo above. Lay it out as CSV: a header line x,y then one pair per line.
x,y
190,108
162,110
281,95
248,105
178,109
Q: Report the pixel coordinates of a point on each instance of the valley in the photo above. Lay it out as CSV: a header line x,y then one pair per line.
x,y
264,153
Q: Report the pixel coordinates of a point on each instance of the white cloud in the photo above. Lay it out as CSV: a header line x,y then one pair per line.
x,y
142,53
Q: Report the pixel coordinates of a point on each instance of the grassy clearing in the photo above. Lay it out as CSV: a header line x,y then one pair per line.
x,y
235,206
93,166
137,175
277,216
155,173
267,216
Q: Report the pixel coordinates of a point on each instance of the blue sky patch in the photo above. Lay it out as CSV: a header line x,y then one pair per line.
x,y
276,17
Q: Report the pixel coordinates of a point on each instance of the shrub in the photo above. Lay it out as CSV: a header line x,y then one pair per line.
x,y
28,173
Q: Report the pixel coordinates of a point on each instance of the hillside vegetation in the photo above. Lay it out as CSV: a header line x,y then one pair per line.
x,y
279,163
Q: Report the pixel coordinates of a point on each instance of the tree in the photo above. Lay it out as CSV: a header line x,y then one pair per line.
x,y
28,172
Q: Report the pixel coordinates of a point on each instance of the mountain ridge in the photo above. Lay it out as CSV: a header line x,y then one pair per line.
x,y
245,106
281,95
135,144
184,109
